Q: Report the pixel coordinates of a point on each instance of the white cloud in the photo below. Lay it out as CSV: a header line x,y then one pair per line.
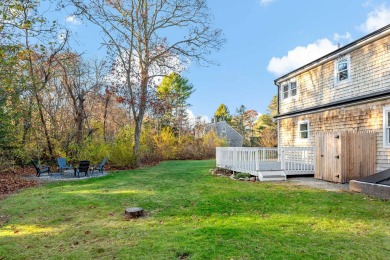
x,y
265,2
376,19
342,37
73,20
300,56
192,118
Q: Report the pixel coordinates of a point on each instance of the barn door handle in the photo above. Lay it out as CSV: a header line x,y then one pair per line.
x,y
322,155
337,157
337,137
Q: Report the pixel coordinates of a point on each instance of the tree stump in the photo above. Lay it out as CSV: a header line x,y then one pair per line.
x,y
134,212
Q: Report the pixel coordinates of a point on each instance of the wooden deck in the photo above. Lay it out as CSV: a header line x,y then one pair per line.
x,y
267,163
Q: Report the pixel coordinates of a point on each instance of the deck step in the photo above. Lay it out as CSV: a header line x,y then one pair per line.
x,y
272,176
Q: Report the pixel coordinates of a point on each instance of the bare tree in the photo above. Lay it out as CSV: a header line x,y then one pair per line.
x,y
145,36
22,24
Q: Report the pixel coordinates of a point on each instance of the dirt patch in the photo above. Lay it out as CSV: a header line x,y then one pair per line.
x,y
319,184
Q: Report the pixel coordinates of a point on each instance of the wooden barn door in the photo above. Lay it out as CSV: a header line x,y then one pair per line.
x,y
345,156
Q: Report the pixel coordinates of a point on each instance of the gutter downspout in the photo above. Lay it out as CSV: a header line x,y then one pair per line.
x,y
277,120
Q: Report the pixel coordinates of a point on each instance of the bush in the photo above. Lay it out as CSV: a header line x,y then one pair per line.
x,y
166,144
242,175
94,151
121,151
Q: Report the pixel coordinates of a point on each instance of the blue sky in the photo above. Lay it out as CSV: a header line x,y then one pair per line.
x,y
265,39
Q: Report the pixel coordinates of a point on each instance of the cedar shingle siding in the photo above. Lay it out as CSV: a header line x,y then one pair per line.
x,y
369,74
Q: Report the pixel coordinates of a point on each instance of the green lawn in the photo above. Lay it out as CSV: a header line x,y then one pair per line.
x,y
191,213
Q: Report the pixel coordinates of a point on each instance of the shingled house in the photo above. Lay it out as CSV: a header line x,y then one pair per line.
x,y
348,89
224,130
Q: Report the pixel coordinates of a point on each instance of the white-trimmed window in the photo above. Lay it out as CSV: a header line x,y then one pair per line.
x,y
290,89
293,88
285,91
342,70
303,130
386,127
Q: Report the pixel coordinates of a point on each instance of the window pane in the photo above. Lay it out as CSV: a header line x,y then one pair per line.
x,y
388,135
285,88
303,127
293,85
293,92
343,75
388,119
343,66
304,135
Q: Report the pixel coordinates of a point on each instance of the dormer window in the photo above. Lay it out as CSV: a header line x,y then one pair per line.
x,y
342,69
289,89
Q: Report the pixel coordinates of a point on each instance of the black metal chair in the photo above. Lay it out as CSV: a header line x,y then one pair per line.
x,y
83,167
40,169
62,164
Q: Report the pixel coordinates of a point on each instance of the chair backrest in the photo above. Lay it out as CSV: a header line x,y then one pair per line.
x,y
61,161
35,165
104,161
84,166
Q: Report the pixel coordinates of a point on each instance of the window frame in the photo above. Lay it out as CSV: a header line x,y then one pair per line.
x,y
347,59
386,127
302,122
296,88
287,94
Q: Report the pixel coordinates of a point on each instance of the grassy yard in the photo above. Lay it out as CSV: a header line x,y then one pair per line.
x,y
192,214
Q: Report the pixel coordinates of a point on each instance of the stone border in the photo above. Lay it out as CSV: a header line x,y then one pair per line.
x,y
64,177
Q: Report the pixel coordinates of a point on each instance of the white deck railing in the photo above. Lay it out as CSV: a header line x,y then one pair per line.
x,y
295,160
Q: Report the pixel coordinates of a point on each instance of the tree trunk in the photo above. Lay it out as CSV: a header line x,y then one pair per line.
x,y
80,117
27,123
43,121
107,101
141,112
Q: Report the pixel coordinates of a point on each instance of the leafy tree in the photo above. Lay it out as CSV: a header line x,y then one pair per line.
x,y
265,126
222,114
250,117
238,121
173,93
272,108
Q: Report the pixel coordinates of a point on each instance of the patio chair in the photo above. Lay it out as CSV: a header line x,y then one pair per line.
x,y
62,164
40,169
83,167
99,167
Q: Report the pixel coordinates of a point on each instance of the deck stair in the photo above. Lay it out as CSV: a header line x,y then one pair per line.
x,y
271,176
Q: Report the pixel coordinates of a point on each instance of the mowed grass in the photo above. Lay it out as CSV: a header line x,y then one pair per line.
x,y
191,214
